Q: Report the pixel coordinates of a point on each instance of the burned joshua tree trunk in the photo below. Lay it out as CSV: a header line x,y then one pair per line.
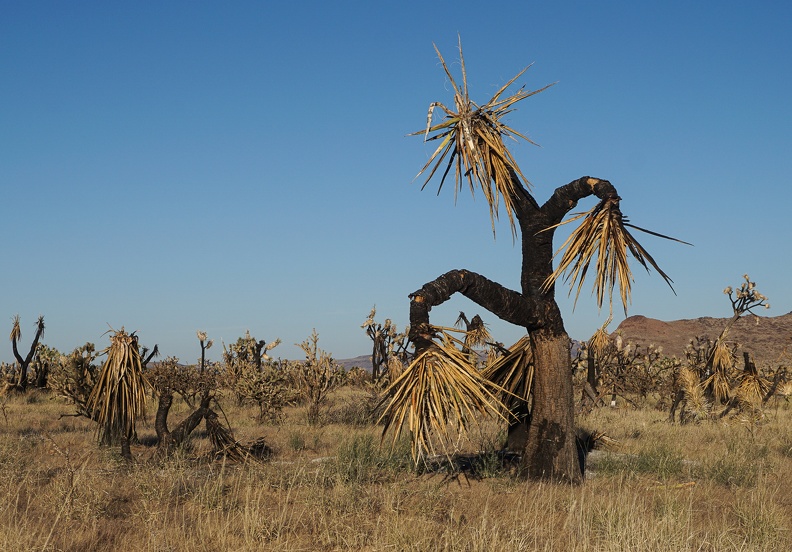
x,y
550,446
24,363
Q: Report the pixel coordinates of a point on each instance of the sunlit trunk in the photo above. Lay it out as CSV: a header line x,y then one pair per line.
x,y
550,451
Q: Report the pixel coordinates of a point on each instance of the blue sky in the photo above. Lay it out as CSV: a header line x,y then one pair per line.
x,y
175,166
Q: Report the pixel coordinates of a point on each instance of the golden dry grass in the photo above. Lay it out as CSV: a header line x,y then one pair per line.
x,y
705,487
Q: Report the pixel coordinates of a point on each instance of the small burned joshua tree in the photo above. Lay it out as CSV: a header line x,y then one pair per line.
x,y
21,382
118,399
389,348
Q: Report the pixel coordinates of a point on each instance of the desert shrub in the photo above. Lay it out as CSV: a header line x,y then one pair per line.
x,y
389,349
170,376
73,377
357,377
316,377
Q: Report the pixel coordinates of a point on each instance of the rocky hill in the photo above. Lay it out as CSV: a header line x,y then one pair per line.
x,y
765,338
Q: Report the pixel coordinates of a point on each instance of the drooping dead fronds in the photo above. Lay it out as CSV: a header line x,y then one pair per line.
x,y
118,399
477,334
751,387
600,340
513,373
440,388
16,330
603,234
721,363
697,408
473,136
223,442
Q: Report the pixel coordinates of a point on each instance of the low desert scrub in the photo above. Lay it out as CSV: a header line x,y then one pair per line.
x,y
661,487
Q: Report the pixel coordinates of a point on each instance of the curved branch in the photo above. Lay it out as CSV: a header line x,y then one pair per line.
x,y
504,303
565,198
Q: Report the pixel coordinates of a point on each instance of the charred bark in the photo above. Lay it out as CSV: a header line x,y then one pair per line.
x,y
547,430
550,452
169,440
24,363
504,303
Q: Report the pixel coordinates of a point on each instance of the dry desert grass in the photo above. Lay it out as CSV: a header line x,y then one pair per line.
x,y
667,488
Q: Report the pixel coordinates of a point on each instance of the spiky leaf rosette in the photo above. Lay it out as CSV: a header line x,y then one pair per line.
x,y
118,399
603,234
471,136
439,389
513,373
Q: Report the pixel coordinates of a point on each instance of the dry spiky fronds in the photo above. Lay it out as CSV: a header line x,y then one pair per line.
x,y
16,331
600,340
603,233
477,334
721,362
720,384
513,373
473,136
223,442
697,408
785,389
752,387
438,389
118,399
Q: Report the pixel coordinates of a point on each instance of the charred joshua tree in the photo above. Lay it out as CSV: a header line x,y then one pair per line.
x,y
21,382
471,142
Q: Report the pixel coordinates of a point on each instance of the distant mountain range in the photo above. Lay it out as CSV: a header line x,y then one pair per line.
x,y
363,361
765,337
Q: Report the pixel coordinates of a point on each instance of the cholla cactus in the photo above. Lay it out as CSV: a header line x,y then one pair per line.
x,y
253,376
389,348
205,344
74,376
317,376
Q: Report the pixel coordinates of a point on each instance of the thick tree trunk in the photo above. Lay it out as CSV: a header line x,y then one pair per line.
x,y
551,451
168,440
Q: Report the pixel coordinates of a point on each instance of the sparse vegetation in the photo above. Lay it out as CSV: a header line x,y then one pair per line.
x,y
665,487
689,453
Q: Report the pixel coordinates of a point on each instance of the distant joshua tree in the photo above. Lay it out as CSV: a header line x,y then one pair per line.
x,y
21,382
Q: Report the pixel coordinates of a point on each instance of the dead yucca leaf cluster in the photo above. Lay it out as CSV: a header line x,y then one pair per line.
x,y
223,442
472,138
118,399
603,234
440,388
476,332
599,342
512,373
722,363
696,406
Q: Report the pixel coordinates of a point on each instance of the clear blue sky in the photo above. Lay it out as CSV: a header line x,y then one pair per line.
x,y
175,166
